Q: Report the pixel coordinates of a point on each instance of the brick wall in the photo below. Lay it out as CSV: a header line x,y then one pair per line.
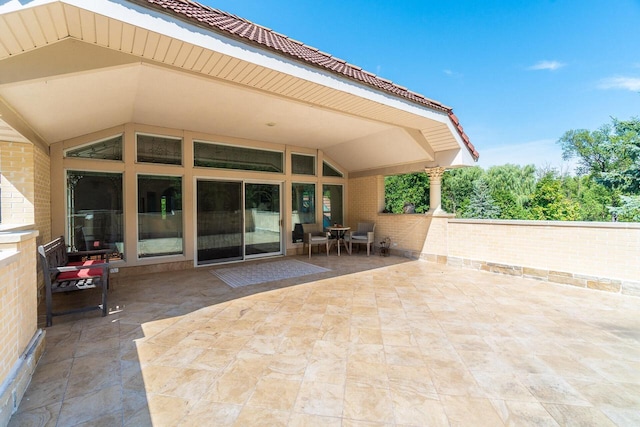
x,y
18,302
26,190
42,205
366,201
42,194
604,256
21,342
17,168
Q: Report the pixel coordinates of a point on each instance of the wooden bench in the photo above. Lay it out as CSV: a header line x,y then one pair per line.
x,y
73,271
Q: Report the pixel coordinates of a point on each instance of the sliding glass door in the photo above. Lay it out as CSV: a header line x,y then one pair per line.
x,y
237,220
219,222
262,220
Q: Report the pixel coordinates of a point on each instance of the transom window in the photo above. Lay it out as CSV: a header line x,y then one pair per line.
x,y
159,149
302,164
328,170
105,149
212,155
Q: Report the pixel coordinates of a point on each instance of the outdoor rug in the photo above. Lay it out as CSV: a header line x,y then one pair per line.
x,y
252,274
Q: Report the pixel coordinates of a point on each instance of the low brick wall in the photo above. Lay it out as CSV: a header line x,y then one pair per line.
x,y
21,343
603,256
594,255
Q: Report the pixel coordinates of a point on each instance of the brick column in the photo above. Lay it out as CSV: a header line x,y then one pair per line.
x,y
435,188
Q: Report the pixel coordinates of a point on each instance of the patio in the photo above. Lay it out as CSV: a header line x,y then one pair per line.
x,y
375,341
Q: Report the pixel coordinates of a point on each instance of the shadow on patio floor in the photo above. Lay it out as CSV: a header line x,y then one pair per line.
x,y
374,341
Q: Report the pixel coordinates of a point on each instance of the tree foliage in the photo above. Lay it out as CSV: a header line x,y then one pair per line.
x,y
457,187
481,203
410,188
549,202
606,186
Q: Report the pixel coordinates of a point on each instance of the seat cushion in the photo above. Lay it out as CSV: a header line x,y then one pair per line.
x,y
85,273
357,237
318,238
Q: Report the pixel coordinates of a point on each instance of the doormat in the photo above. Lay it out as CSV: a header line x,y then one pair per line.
x,y
253,274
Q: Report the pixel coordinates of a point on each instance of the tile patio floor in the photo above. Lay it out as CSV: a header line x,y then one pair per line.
x,y
375,342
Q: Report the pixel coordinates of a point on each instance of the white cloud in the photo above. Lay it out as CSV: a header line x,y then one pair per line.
x,y
451,73
626,83
543,153
547,65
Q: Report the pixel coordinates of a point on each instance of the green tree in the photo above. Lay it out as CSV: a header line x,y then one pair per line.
x,y
457,188
600,151
592,197
629,209
519,181
481,203
407,188
511,187
549,202
611,156
626,177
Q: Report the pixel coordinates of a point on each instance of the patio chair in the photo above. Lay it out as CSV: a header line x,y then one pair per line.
x,y
363,235
313,234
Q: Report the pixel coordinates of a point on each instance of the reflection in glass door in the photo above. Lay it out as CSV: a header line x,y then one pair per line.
x,y
219,221
231,227
262,220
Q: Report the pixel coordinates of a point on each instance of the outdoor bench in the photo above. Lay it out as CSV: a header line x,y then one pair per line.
x,y
73,271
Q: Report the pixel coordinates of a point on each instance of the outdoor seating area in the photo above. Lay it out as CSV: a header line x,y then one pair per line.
x,y
66,272
376,341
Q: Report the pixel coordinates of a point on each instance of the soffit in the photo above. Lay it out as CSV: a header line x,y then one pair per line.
x,y
311,114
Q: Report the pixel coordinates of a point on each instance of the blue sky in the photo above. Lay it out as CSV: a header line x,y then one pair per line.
x,y
518,73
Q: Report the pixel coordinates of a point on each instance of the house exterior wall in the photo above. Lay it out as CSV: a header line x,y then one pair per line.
x,y
130,169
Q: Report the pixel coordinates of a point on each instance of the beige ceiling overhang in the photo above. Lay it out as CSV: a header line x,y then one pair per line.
x,y
69,68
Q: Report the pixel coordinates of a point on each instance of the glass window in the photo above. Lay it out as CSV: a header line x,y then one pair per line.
x,y
159,149
332,207
106,149
303,207
328,170
303,165
159,215
94,206
211,155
